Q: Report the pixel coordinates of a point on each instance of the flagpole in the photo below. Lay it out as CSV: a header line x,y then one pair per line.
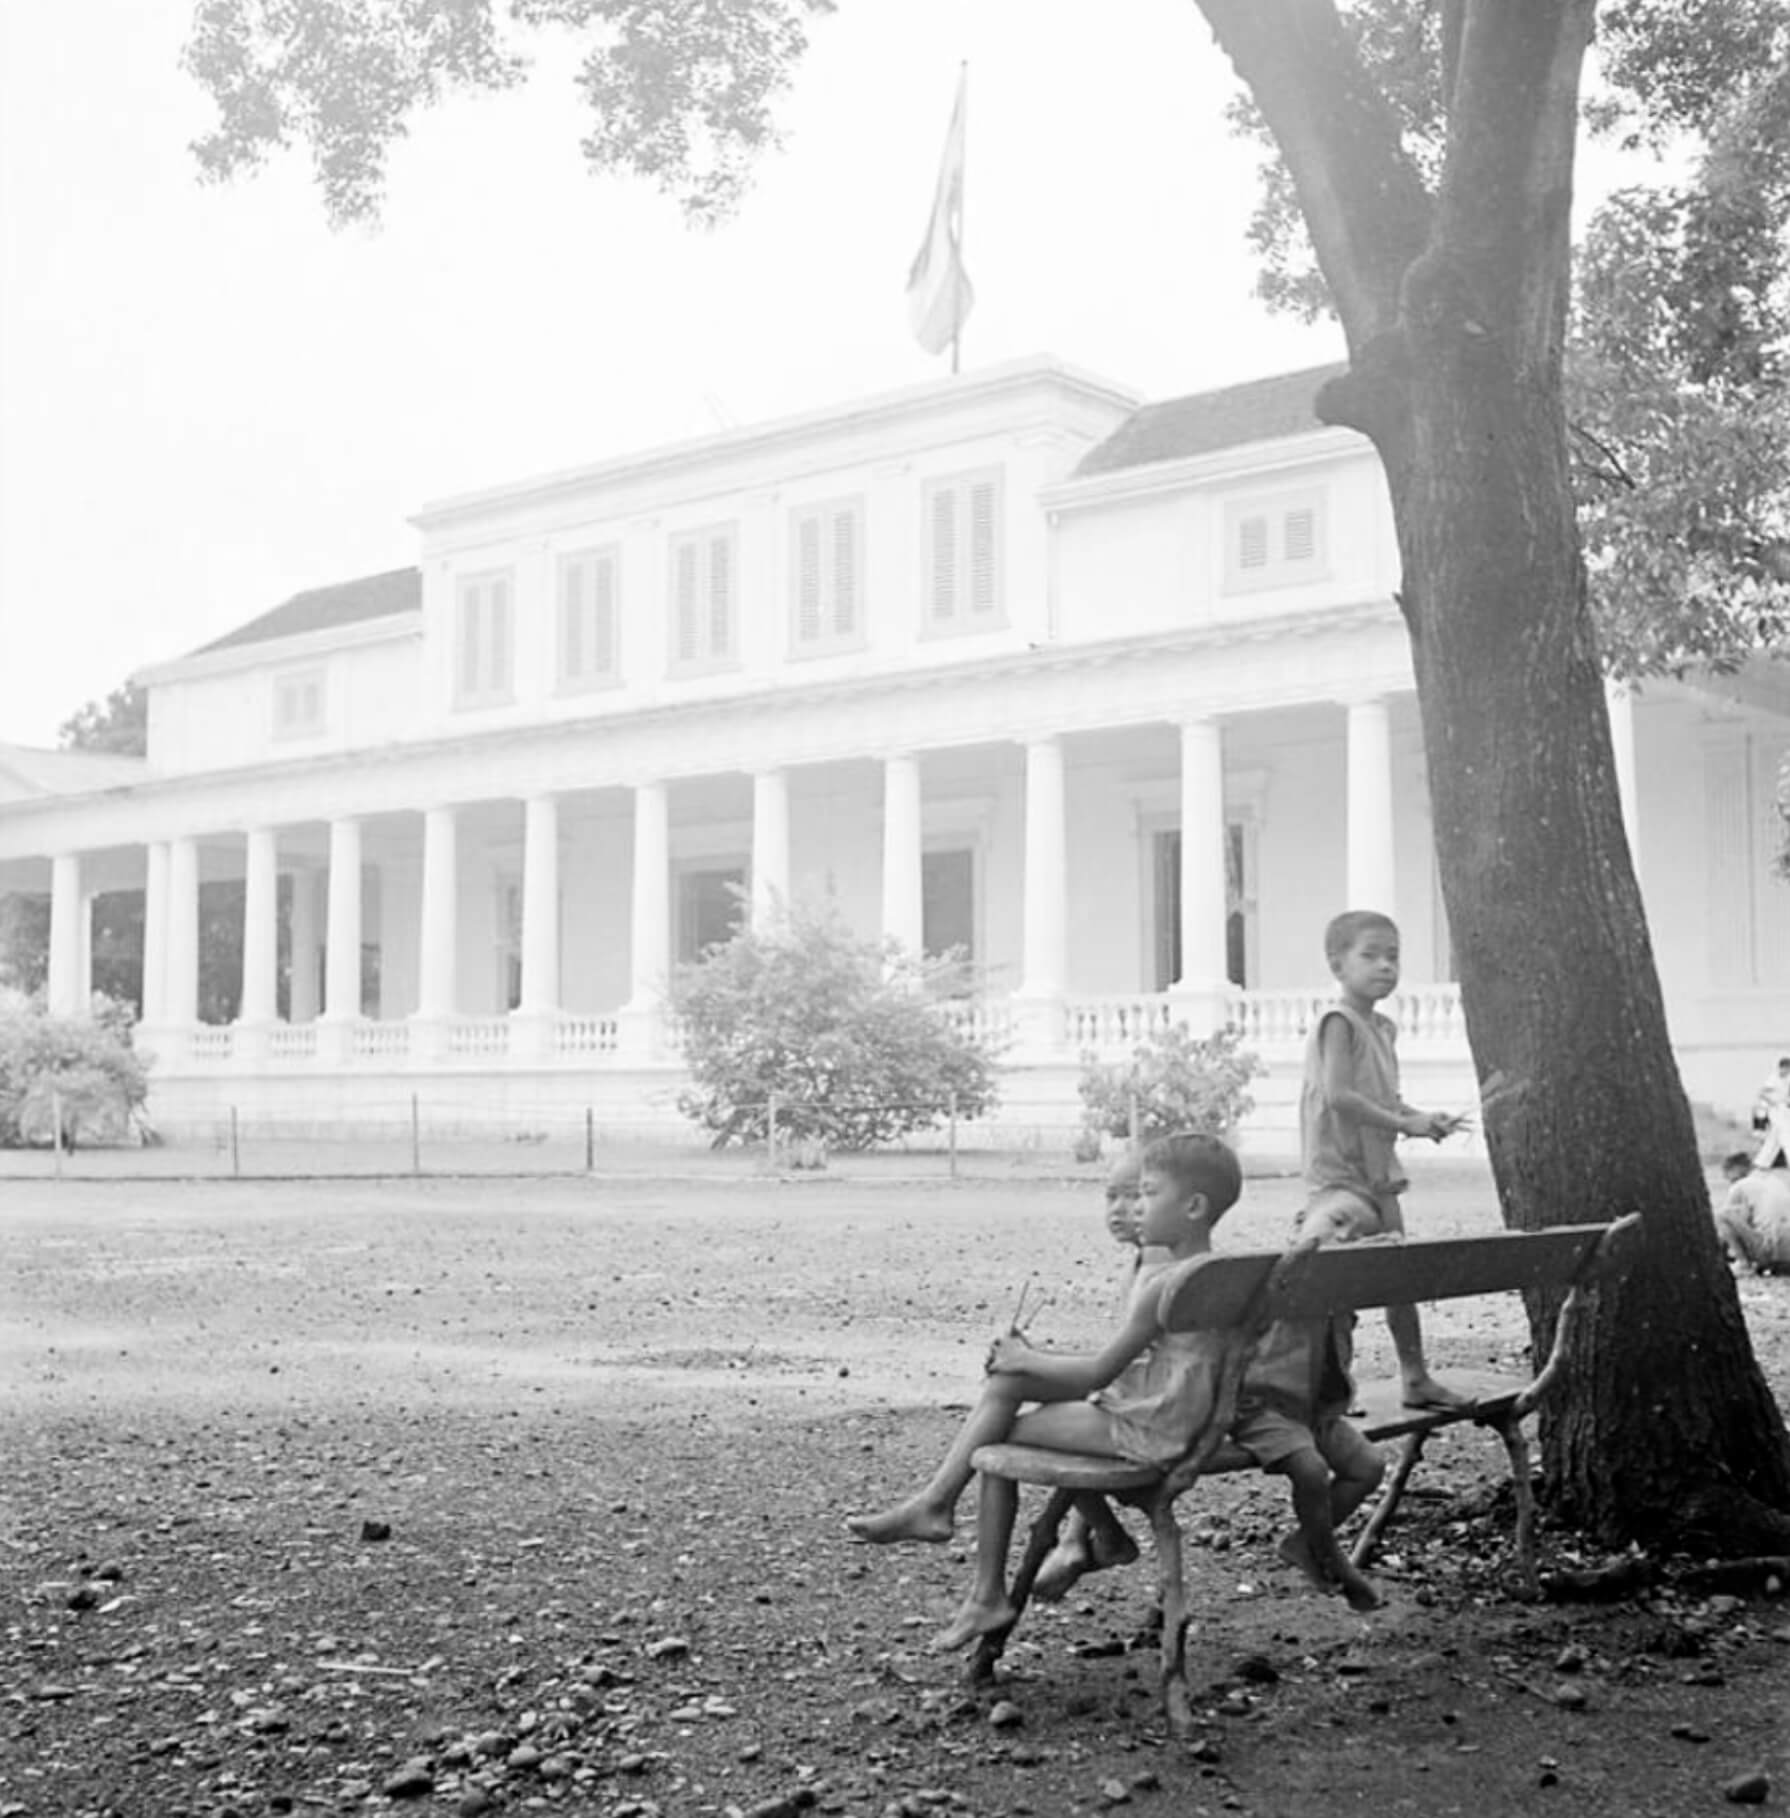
x,y
963,83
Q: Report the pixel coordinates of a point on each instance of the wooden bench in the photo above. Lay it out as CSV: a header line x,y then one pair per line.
x,y
1236,1293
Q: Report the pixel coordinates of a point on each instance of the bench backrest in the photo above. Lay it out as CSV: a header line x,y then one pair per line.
x,y
1220,1291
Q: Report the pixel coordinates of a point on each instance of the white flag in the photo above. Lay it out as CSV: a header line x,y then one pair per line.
x,y
939,295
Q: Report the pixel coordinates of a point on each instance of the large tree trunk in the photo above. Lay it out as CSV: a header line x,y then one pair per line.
x,y
1455,312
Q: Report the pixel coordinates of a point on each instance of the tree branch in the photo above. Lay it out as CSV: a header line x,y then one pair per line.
x,y
1360,192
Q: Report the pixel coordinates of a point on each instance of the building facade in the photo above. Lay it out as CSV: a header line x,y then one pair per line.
x,y
1111,695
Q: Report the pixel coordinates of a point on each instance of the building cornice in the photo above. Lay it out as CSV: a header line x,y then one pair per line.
x,y
1245,461
990,385
673,724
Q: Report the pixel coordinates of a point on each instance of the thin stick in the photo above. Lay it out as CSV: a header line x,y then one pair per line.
x,y
1038,1306
1019,1306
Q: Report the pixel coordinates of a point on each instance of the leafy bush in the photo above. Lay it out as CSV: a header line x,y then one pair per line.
x,y
82,1068
1177,1081
850,1036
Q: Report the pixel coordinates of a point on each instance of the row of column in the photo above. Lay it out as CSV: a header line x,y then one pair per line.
x,y
171,958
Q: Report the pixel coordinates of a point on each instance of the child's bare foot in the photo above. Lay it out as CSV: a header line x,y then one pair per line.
x,y
971,1623
1361,1595
1295,1552
1112,1547
914,1519
1066,1562
1423,1391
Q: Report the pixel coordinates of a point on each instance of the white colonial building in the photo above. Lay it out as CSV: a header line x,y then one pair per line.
x,y
1111,694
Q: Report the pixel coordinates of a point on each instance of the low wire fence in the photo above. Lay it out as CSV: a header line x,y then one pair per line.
x,y
448,1132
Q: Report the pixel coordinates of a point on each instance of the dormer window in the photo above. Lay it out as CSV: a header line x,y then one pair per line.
x,y
826,563
484,641
704,600
963,554
298,703
588,623
1277,541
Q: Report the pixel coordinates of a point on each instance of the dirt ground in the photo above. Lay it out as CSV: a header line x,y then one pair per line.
x,y
497,1497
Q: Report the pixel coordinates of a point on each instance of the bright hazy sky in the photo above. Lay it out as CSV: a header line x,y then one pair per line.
x,y
209,400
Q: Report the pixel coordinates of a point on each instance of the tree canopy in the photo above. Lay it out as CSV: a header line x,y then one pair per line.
x,y
119,724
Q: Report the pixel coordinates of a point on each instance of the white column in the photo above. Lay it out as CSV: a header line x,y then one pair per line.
x,y
903,902
1371,876
341,975
770,845
539,1007
155,933
181,1005
438,983
1038,1001
649,938
1622,744
301,983
260,924
1202,987
64,981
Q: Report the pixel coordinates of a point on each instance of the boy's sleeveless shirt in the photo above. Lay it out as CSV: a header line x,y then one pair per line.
x,y
1340,1151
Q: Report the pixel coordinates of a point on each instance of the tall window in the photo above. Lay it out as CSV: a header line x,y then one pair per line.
x,y
710,907
1274,542
704,599
588,652
827,577
484,652
1239,904
298,704
948,902
963,553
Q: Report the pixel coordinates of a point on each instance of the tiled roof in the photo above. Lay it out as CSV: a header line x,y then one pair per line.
x,y
373,596
1257,411
29,771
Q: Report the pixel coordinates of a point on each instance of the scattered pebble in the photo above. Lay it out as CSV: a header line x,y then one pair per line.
x,y
414,1780
1747,1789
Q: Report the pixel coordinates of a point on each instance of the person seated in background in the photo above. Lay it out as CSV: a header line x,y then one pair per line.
x,y
1771,1118
1753,1222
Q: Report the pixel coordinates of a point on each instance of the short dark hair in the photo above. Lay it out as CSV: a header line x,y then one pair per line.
x,y
1346,929
1201,1164
1737,1163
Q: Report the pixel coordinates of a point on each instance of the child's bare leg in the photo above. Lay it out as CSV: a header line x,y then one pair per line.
x,y
1421,1389
1314,1549
930,1513
1093,1538
986,1608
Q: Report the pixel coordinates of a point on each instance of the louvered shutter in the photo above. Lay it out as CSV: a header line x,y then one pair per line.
x,y
1299,535
1252,543
944,555
984,595
845,572
571,620
602,627
720,596
808,578
685,585
498,638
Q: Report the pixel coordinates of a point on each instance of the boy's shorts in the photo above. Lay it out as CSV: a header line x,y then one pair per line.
x,y
1357,1212
1271,1438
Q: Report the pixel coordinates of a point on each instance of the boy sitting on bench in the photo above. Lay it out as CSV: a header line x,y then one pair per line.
x,y
1152,1393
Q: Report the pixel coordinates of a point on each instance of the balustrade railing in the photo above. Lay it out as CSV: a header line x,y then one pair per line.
x,y
586,1035
478,1037
988,1021
381,1041
292,1041
211,1041
1104,1025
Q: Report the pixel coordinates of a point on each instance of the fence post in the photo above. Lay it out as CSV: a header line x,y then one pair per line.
x,y
953,1127
416,1136
590,1140
235,1148
56,1130
1136,1123
770,1130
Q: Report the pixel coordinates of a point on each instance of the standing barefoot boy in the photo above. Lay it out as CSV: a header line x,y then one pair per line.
x,y
1351,1117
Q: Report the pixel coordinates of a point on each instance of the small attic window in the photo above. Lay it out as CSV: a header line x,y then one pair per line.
x,y
1274,542
298,703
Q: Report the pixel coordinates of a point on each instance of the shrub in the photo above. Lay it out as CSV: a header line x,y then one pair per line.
x,y
850,1036
1177,1081
82,1067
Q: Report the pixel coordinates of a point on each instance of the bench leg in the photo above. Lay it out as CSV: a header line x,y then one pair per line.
x,y
1172,1590
1040,1540
1516,1447
1390,1497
